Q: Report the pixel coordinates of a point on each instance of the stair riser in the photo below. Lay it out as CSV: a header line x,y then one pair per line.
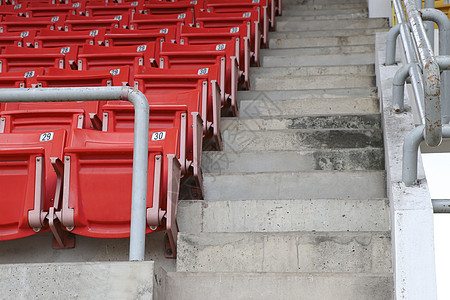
x,y
311,71
319,51
259,108
292,24
291,186
309,42
338,16
318,60
326,6
325,33
284,252
312,82
283,215
300,140
230,162
226,286
323,13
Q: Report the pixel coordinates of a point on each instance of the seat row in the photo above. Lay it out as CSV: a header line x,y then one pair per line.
x,y
67,166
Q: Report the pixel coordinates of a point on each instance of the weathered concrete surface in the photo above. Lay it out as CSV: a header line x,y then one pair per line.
x,y
411,207
280,286
342,49
323,93
293,24
262,72
312,82
318,60
285,252
294,41
84,280
321,106
325,33
278,161
283,215
300,139
296,185
327,121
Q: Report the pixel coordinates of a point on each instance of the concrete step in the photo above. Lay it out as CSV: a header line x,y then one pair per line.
x,y
285,252
321,2
282,161
196,216
339,15
324,93
293,24
361,121
320,41
324,6
319,51
318,60
325,33
311,82
311,71
280,286
300,139
331,106
323,12
295,185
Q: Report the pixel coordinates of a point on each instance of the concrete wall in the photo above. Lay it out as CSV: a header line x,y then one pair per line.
x,y
379,8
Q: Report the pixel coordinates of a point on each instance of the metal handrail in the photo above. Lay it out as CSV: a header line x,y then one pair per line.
x,y
140,148
424,69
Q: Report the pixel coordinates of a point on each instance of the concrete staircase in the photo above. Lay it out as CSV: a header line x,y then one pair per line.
x,y
295,205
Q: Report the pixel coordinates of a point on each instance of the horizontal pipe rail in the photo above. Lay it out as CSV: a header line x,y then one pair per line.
x,y
140,151
441,205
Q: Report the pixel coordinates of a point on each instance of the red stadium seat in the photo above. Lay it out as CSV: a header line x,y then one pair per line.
x,y
167,111
56,38
13,23
175,56
242,6
126,37
20,79
38,9
26,161
99,57
17,38
143,21
237,35
97,194
250,19
75,22
15,59
18,10
100,8
165,8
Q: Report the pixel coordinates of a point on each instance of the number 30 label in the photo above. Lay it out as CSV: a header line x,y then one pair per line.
x,y
45,137
158,136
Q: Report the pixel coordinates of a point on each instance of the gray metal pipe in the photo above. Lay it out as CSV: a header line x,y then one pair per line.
x,y
410,152
398,87
431,74
391,43
140,152
441,205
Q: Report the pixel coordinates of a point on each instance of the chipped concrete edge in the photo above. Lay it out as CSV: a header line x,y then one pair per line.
x,y
411,208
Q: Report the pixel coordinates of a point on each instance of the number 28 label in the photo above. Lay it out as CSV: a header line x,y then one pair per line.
x,y
158,136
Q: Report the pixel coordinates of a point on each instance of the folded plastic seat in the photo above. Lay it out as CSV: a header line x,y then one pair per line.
x,y
250,19
242,6
146,21
39,9
168,110
174,56
236,35
100,8
55,38
159,7
97,193
17,38
31,182
18,10
76,22
14,23
15,59
20,79
126,37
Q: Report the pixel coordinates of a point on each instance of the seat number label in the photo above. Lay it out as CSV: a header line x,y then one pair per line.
x,y
24,34
164,31
247,15
76,4
118,18
55,19
141,48
65,50
220,47
93,33
158,136
181,16
28,74
203,71
234,30
45,137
